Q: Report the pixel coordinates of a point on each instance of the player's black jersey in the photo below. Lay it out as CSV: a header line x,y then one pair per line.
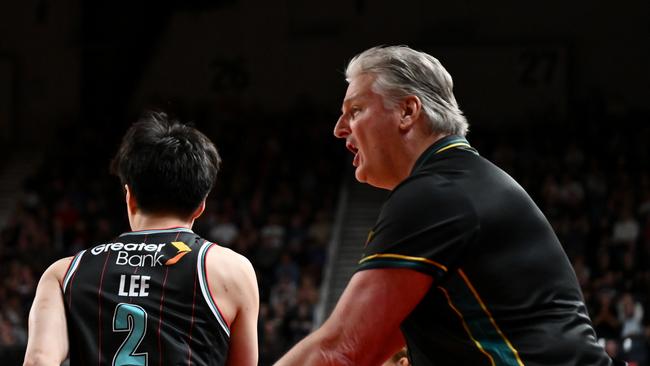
x,y
504,291
144,299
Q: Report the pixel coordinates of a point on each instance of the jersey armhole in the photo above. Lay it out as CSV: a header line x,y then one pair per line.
x,y
205,286
72,269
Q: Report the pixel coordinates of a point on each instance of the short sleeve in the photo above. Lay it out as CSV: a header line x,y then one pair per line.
x,y
425,225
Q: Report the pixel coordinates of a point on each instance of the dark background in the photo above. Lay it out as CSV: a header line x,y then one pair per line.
x,y
99,63
556,93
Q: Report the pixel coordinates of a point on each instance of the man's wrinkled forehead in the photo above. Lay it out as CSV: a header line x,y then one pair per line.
x,y
360,87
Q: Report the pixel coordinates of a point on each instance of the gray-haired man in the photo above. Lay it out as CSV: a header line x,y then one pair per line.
x,y
461,265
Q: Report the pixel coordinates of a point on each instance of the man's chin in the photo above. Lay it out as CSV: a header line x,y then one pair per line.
x,y
360,175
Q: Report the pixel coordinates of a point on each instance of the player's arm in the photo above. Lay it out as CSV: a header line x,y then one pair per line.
x,y
47,343
364,326
237,280
243,330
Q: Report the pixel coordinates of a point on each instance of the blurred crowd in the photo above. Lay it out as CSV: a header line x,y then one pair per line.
x,y
275,201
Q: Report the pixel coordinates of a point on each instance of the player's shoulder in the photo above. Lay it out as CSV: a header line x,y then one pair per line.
x,y
226,254
231,270
227,260
59,268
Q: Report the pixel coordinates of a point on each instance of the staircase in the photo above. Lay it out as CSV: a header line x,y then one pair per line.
x,y
359,206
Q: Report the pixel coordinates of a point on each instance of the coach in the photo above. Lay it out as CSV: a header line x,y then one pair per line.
x,y
461,266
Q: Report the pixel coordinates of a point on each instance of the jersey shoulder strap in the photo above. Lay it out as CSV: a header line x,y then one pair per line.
x,y
205,286
72,269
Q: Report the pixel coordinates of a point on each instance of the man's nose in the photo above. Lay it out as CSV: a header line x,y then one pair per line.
x,y
342,128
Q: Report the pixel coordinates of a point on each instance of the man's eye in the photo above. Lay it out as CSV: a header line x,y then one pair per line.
x,y
354,112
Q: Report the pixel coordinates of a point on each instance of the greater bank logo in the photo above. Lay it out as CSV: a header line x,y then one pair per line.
x,y
148,254
130,247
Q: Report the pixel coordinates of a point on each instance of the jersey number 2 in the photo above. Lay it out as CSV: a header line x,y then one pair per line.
x,y
133,319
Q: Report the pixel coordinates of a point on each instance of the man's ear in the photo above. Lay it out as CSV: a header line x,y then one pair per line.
x,y
411,109
199,210
131,204
403,361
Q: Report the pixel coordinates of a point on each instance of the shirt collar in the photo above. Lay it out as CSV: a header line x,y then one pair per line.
x,y
444,144
159,231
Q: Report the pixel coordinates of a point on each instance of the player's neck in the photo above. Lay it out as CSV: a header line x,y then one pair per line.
x,y
156,222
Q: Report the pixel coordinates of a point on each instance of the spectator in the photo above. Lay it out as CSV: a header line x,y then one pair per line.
x,y
612,348
287,268
273,232
283,293
224,231
626,228
630,316
606,323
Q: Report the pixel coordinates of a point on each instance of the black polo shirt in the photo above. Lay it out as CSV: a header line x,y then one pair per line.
x,y
504,291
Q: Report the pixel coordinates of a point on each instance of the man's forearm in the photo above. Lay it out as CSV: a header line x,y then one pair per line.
x,y
353,334
316,350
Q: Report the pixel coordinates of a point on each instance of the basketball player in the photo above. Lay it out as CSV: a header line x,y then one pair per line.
x,y
461,265
160,294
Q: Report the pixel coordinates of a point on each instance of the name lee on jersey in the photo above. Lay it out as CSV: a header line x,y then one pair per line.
x,y
137,286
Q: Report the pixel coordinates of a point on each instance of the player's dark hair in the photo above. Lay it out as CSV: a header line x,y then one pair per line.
x,y
169,167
